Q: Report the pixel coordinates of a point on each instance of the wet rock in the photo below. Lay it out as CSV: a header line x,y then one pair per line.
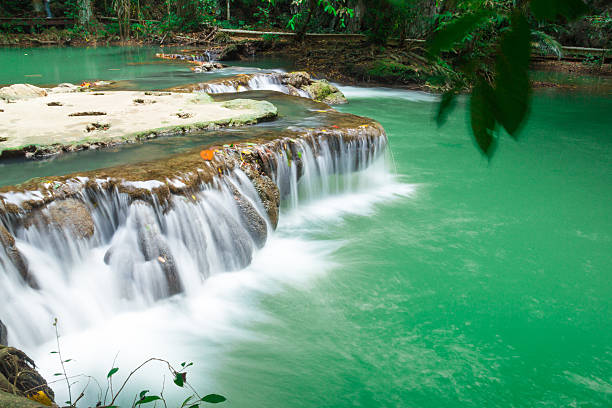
x,y
268,193
154,247
297,79
18,376
256,225
323,91
293,91
65,88
7,244
234,246
21,91
3,334
71,215
208,66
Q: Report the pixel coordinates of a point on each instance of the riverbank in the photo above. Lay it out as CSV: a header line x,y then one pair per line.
x,y
350,61
56,121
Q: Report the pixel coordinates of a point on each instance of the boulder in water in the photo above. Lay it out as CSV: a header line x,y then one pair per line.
x,y
268,194
256,225
7,244
323,91
297,79
21,91
154,247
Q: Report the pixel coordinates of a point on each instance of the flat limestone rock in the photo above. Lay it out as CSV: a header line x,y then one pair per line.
x,y
64,119
21,91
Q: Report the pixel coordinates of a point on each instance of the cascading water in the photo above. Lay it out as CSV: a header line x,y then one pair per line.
x,y
142,251
264,82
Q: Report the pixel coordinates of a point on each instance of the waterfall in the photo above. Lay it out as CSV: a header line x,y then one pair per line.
x,y
262,82
141,251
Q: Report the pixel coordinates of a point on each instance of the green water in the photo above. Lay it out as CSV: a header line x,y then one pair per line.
x,y
489,286
138,65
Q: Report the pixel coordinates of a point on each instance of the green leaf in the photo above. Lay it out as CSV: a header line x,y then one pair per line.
x,y
58,374
148,399
194,406
112,372
448,35
54,352
482,116
180,379
512,87
213,398
446,106
67,361
143,393
551,9
186,401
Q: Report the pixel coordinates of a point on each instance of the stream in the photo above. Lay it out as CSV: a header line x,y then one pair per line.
x,y
429,278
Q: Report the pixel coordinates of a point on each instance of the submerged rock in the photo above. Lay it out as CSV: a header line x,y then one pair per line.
x,y
21,91
13,255
234,246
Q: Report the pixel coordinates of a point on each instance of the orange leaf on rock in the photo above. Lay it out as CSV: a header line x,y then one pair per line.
x,y
207,154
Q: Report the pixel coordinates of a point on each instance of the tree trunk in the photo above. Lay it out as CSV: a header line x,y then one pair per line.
x,y
302,31
85,12
228,10
356,21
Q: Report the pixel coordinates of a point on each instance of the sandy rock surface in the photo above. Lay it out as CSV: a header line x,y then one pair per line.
x,y
78,117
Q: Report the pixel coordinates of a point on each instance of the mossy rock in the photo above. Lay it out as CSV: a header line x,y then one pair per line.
x,y
323,91
15,401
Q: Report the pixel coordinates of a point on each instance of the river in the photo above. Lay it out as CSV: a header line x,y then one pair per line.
x,y
440,280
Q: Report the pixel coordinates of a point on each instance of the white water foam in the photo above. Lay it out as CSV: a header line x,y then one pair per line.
x,y
105,308
356,92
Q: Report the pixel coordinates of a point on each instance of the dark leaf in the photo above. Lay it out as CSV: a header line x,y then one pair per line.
x,y
482,116
58,374
446,106
213,398
148,399
194,406
143,393
112,372
512,87
453,32
551,9
180,379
